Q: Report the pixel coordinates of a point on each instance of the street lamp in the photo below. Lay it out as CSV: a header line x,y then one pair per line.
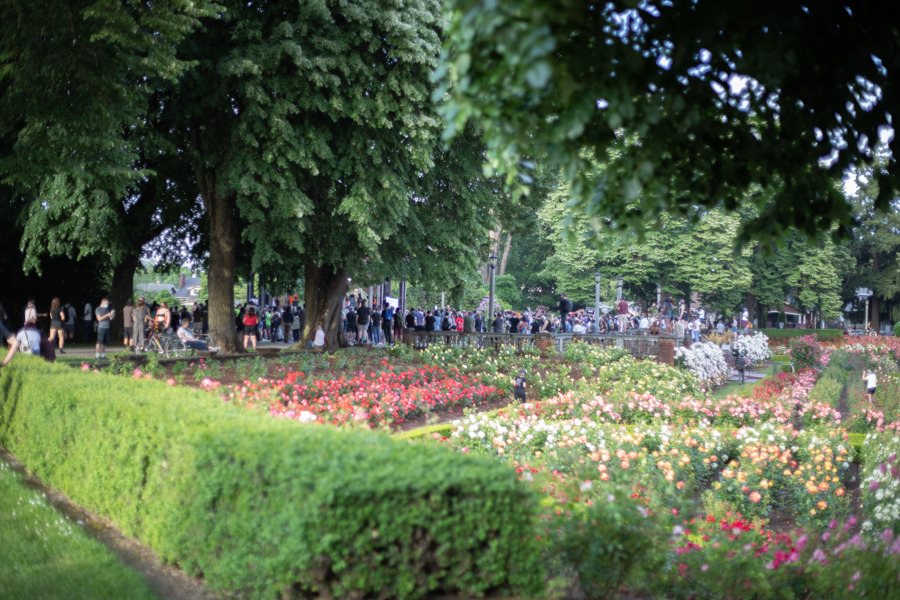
x,y
492,263
596,296
658,297
865,293
621,282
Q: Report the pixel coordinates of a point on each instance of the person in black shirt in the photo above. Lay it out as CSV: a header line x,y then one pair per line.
x,y
362,322
497,324
536,325
411,319
519,384
430,321
514,323
376,326
351,325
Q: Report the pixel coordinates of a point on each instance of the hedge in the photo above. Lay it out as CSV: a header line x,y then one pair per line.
x,y
787,334
267,508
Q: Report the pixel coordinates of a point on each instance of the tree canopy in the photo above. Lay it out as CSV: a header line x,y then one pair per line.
x,y
721,94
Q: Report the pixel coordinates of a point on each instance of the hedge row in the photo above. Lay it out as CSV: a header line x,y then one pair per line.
x,y
787,334
267,508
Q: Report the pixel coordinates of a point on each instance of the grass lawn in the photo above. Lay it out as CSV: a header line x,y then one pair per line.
x,y
736,389
45,556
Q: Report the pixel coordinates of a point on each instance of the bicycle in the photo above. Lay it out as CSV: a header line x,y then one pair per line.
x,y
165,344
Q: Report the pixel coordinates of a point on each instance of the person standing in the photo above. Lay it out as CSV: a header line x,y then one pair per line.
x,y
287,320
519,385
69,323
57,318
622,315
565,307
668,312
387,316
105,315
362,321
251,327
128,324
376,324
162,318
139,317
87,318
351,330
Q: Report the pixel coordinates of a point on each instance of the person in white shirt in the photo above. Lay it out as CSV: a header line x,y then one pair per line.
x,y
190,340
871,380
579,328
645,323
318,339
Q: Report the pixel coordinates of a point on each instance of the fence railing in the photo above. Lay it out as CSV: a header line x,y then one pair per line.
x,y
639,345
463,339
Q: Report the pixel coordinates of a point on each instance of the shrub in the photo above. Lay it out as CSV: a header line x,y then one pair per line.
x,y
897,329
705,361
806,352
827,391
267,508
754,348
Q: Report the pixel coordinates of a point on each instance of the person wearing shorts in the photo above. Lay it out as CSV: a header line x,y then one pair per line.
x,y
871,380
251,324
58,316
105,316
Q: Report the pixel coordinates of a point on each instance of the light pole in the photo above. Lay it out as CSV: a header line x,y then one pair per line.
x,y
492,263
865,293
596,296
621,282
658,297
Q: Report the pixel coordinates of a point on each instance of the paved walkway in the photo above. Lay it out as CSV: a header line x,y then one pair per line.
x,y
749,376
87,353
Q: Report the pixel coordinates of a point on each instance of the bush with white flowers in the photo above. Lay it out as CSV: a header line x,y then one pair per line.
x,y
755,348
705,361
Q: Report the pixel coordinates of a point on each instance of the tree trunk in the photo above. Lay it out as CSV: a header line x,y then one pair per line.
x,y
222,254
874,310
506,248
326,287
122,290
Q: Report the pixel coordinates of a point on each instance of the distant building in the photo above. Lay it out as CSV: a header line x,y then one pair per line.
x,y
188,291
151,289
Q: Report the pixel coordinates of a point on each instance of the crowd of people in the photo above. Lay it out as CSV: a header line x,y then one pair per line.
x,y
361,325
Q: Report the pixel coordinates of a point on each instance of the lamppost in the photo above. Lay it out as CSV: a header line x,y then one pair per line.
x,y
658,297
621,282
492,263
596,296
865,293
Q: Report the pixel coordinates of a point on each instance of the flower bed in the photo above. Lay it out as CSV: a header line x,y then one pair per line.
x,y
377,399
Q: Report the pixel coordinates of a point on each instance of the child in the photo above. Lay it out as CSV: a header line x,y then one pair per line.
x,y
871,383
519,383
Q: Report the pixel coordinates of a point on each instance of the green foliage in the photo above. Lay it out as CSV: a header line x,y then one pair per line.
x,y
564,83
806,352
45,555
827,391
778,335
264,507
603,543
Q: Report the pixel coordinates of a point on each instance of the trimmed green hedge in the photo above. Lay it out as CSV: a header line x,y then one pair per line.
x,y
267,508
786,334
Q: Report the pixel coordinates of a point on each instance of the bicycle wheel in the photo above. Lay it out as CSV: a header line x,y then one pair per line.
x,y
175,347
145,347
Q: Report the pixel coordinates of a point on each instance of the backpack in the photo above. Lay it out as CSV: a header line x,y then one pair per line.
x,y
567,305
445,323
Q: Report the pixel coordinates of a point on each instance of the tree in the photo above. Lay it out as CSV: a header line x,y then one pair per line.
x,y
722,95
875,249
76,139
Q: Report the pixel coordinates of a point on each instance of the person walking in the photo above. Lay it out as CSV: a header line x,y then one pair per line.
x,y
871,380
58,316
287,320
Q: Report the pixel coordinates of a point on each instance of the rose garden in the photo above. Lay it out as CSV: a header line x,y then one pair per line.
x,y
403,473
